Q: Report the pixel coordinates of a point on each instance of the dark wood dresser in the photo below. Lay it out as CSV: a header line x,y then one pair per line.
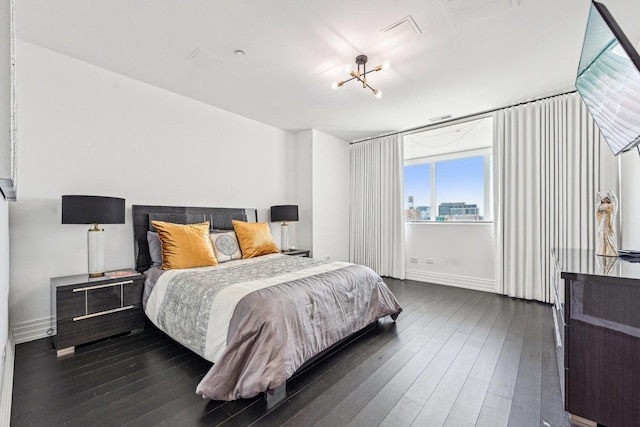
x,y
88,309
597,315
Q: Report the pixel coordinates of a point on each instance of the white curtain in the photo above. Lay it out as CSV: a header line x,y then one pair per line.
x,y
376,236
549,162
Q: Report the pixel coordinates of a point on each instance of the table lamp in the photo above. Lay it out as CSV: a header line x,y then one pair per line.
x,y
93,210
282,214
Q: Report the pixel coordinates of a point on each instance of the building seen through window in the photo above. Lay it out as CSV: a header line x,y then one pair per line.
x,y
417,213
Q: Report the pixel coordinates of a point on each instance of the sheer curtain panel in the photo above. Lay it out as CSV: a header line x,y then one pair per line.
x,y
376,217
549,162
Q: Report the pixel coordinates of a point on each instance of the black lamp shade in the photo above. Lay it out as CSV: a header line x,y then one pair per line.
x,y
284,213
92,210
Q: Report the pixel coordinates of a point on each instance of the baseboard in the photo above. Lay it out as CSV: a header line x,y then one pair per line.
x,y
6,391
34,329
466,282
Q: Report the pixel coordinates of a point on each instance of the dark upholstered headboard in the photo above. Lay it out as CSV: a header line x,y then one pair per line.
x,y
219,219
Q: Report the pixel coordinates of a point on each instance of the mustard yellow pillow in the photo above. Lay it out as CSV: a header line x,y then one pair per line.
x,y
185,246
255,239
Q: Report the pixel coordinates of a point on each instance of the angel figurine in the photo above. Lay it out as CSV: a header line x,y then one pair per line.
x,y
606,210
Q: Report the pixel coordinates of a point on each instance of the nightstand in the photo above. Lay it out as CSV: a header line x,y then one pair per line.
x,y
297,252
91,308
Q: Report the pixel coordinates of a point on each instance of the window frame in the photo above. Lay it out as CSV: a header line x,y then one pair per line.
x,y
487,153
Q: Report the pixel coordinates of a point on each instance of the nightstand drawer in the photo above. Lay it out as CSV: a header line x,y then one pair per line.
x,y
91,300
71,333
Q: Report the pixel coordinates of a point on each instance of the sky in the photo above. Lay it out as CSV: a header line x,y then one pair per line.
x,y
457,180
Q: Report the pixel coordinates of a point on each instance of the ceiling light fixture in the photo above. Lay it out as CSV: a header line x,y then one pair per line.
x,y
361,76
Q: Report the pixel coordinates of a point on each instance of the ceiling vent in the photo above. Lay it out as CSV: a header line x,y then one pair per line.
x,y
439,119
407,20
463,13
205,59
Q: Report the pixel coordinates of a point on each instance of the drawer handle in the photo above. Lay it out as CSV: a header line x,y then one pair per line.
x,y
102,313
108,285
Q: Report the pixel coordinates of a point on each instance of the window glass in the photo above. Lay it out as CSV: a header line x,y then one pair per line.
x,y
417,192
460,187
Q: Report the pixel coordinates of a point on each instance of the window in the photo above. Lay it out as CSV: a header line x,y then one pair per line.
x,y
447,173
417,192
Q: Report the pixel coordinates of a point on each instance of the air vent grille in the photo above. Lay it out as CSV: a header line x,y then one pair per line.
x,y
407,20
205,59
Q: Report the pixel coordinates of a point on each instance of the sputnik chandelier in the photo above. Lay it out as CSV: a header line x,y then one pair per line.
x,y
361,76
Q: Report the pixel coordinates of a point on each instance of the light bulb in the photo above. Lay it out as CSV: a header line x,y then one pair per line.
x,y
377,94
335,85
386,64
347,68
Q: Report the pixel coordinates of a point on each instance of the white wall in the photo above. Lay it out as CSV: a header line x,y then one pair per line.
x,y
331,188
5,92
322,192
303,229
85,130
630,200
5,164
4,283
463,254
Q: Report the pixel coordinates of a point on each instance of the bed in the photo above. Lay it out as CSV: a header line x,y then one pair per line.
x,y
258,320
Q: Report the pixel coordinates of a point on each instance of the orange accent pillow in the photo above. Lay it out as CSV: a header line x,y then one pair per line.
x,y
185,246
255,239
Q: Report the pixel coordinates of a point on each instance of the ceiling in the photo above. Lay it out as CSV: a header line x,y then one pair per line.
x,y
471,55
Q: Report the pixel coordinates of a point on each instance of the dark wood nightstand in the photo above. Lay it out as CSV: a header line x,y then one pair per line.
x,y
88,309
297,252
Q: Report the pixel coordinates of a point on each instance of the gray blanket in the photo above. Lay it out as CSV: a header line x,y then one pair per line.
x,y
274,330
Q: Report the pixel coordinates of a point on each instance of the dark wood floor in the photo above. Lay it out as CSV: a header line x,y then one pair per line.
x,y
455,357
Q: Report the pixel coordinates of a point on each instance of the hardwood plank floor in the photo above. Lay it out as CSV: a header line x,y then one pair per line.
x,y
455,357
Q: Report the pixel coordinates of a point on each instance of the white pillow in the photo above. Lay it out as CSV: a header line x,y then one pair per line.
x,y
225,246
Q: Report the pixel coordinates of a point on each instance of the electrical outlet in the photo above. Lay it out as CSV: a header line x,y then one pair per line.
x,y
429,260
413,260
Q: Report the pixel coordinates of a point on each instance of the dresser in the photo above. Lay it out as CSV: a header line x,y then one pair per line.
x,y
91,308
597,331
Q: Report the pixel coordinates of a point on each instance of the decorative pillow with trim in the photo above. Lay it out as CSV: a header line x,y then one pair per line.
x,y
225,246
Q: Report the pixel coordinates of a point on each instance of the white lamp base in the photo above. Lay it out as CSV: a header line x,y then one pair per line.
x,y
95,242
284,237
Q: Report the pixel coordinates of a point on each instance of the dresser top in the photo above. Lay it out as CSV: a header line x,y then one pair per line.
x,y
572,262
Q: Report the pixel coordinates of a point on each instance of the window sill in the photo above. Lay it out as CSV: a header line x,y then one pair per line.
x,y
450,222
